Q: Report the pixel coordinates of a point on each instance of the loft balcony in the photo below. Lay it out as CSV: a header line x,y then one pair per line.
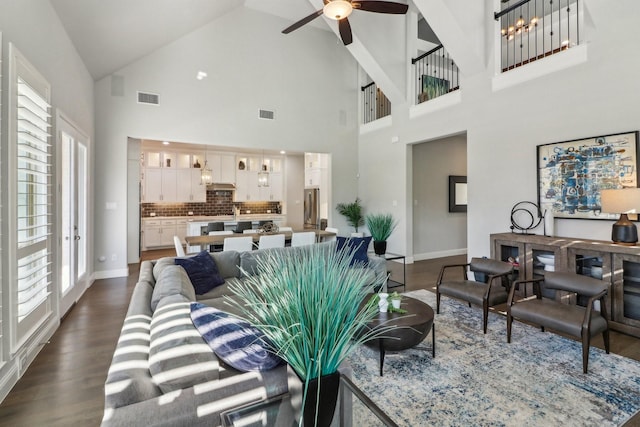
x,y
534,29
436,74
375,104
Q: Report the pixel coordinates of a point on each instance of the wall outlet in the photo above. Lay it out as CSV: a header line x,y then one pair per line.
x,y
152,214
190,213
248,211
114,257
268,210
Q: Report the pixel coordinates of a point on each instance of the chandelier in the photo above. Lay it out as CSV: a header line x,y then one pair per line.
x,y
519,27
263,175
206,176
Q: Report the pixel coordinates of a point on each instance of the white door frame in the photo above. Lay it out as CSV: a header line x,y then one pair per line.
x,y
72,212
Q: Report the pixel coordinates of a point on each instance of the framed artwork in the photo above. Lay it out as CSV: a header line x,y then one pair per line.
x,y
572,174
432,87
457,193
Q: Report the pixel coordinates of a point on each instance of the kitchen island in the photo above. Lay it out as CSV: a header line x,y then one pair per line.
x,y
157,232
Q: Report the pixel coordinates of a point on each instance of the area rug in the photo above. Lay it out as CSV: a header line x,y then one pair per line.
x,y
480,380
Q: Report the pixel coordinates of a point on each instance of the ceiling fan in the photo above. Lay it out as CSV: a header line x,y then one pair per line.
x,y
339,10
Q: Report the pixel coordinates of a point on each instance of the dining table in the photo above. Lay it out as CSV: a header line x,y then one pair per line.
x,y
218,239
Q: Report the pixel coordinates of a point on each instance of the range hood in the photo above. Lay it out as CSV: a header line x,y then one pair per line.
x,y
221,186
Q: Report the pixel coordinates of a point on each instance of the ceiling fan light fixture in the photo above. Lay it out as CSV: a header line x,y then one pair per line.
x,y
337,9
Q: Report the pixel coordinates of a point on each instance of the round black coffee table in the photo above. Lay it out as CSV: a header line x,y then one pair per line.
x,y
412,328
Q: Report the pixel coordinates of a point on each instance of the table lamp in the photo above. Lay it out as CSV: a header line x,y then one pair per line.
x,y
622,201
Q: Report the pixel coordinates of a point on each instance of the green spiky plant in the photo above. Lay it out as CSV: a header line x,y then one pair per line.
x,y
353,213
308,305
380,226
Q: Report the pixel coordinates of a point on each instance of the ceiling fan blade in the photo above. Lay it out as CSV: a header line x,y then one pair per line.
x,y
345,31
382,6
303,21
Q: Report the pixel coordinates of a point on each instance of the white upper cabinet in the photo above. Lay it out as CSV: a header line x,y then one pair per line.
x,y
172,176
223,168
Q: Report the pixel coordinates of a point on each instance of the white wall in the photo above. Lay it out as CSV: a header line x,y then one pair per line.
x,y
503,127
34,28
436,231
307,78
294,187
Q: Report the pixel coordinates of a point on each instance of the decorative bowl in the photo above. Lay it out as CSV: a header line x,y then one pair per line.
x,y
548,260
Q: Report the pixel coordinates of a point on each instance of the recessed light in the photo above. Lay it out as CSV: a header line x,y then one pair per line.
x,y
201,75
283,152
165,142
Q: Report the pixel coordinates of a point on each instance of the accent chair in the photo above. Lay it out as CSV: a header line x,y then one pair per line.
x,y
490,289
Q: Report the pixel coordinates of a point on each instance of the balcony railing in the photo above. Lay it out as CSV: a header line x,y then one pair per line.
x,y
435,74
375,104
534,29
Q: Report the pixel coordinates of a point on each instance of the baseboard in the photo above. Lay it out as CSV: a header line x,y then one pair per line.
x,y
110,274
439,254
15,368
9,376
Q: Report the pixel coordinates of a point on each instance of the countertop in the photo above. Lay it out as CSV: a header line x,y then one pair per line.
x,y
224,218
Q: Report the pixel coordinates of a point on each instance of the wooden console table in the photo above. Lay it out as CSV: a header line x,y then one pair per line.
x,y
617,265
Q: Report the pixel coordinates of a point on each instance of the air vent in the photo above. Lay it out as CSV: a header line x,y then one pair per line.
x,y
266,114
148,98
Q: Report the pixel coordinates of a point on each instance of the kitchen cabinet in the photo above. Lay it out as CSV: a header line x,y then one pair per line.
x,y
247,189
275,191
182,228
312,177
160,185
191,189
169,177
158,232
223,168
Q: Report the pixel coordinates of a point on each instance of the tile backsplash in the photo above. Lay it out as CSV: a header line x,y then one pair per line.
x,y
218,203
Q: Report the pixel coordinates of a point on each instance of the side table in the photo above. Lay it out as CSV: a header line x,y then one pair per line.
x,y
391,283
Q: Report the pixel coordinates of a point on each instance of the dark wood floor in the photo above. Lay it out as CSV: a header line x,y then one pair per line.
x,y
64,385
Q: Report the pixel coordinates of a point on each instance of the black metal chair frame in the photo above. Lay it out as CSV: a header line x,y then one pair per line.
x,y
559,307
491,280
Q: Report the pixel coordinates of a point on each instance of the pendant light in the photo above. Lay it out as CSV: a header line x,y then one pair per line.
x,y
263,174
206,176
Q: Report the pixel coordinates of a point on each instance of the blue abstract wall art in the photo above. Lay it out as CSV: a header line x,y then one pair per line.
x,y
572,174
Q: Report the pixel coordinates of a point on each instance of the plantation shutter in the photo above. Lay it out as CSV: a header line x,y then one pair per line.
x,y
34,200
29,202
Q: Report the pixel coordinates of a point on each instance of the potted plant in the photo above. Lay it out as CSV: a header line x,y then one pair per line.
x,y
353,213
309,305
380,226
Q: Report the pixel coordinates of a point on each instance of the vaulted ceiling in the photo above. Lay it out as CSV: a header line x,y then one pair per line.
x,y
113,33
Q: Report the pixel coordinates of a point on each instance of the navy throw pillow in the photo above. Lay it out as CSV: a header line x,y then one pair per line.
x,y
358,245
233,340
202,271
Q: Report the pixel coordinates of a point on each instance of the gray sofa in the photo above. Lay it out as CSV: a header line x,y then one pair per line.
x,y
163,372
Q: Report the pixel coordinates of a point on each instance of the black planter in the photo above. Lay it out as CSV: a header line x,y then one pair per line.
x,y
328,385
380,247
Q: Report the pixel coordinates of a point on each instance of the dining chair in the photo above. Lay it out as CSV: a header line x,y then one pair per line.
x,y
304,238
242,225
271,241
331,230
178,244
215,226
218,248
240,244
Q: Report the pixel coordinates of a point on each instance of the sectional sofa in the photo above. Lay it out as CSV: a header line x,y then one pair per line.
x,y
163,372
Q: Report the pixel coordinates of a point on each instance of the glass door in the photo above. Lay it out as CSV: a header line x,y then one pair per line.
x,y
73,214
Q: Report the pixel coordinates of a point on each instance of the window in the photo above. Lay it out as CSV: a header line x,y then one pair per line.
x,y
30,199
